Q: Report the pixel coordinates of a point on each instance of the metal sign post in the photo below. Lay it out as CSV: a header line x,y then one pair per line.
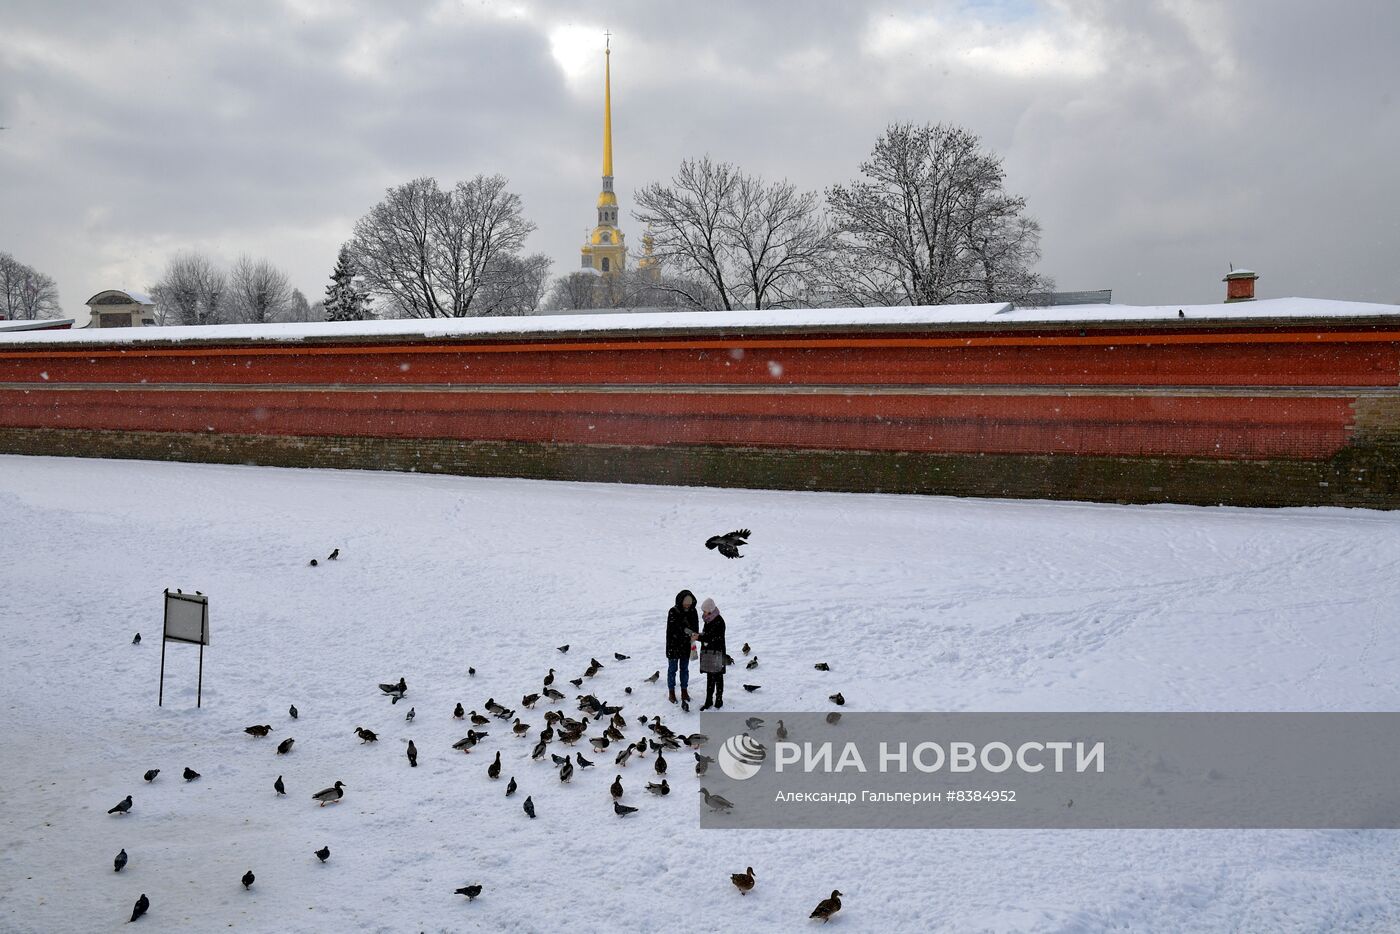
x,y
186,620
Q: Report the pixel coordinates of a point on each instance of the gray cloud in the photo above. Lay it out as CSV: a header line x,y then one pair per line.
x,y
1155,141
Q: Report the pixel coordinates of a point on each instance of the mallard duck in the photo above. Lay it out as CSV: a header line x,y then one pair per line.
x,y
257,730
248,878
529,700
753,663
566,771
660,762
822,666
616,788
838,699
553,695
623,756
285,746
330,795
459,712
702,763
695,740
659,789
716,802
478,720
827,907
520,729
745,649
366,736
743,881
493,771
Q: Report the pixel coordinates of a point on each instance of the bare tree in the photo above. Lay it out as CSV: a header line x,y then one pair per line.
x,y
260,291
931,224
298,308
573,292
26,293
191,291
514,285
735,240
429,254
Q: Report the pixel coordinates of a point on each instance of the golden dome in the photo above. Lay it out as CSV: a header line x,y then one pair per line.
x,y
607,200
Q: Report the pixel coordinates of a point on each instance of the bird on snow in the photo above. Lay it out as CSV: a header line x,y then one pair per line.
x,y
753,663
529,807
549,678
142,904
753,723
827,907
120,862
458,712
627,690
616,789
695,740
323,854
136,639
510,788
752,687
314,563
493,771
623,756
1180,313
745,649
553,694
519,728
838,699
599,743
528,701
822,666
412,712
333,555
248,880
190,774
366,736
566,771
654,676
660,762
285,746
716,802
563,648
620,657
330,795
558,759
743,881
622,810
257,730
278,787
401,688
576,682
833,718
661,789
729,543
412,755
471,891
471,671
292,711
702,762
781,731
478,720
539,749
151,774
466,743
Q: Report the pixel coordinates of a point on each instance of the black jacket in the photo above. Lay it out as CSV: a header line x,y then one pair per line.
x,y
678,620
713,636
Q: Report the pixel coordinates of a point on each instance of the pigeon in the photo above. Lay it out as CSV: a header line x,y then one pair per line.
x,y
654,676
257,730
838,699
752,687
412,712
471,671
292,711
558,759
623,756
716,802
136,639
412,755
529,807
119,863
743,881
142,904
1180,313
458,712
753,663
576,682
248,880
616,788
493,771
745,649
622,810
730,543
822,666
333,555
285,746
190,774
566,771
323,854
660,763
330,795
563,648
781,731
471,891
582,762
278,787
510,788
151,774
620,657
833,718
315,563
627,690
753,723
366,736
661,789
827,907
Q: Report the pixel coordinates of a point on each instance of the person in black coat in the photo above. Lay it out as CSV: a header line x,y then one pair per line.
x,y
682,623
712,640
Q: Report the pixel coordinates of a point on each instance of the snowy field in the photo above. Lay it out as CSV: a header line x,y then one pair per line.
x,y
918,603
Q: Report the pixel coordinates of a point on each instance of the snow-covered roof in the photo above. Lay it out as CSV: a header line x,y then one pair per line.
x,y
922,316
139,297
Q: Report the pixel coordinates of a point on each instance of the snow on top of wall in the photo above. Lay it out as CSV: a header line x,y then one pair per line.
x,y
588,324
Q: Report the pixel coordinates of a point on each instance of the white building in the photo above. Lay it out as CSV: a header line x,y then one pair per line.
x,y
115,308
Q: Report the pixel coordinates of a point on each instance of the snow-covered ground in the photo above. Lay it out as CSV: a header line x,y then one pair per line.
x,y
919,604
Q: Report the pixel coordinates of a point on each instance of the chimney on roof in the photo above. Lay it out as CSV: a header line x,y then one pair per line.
x,y
1239,285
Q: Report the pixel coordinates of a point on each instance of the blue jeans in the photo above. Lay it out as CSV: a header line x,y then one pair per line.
x,y
684,665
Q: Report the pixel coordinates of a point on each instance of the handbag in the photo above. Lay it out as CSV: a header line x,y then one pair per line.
x,y
711,662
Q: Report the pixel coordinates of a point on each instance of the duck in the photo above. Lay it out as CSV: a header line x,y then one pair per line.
x,y
190,774
702,763
549,678
412,755
248,878
623,756
695,740
478,720
458,712
257,730
529,700
151,774
659,789
278,787
616,788
827,907
566,771
753,663
330,795
366,736
520,729
781,732
493,771
822,666
743,881
745,649
660,762
838,699
285,746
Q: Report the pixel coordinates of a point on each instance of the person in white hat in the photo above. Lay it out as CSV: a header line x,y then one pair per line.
x,y
712,651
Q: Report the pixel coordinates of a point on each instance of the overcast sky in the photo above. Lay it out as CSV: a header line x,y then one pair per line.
x,y
1156,142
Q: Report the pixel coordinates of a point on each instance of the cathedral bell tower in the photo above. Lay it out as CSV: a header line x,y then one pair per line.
x,y
606,248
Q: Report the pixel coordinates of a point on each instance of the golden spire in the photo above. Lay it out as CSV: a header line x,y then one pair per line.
x,y
607,106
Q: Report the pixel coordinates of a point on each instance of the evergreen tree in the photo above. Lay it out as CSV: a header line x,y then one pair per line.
x,y
346,301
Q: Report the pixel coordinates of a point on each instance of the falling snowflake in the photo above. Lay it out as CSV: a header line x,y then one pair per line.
x,y
775,369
